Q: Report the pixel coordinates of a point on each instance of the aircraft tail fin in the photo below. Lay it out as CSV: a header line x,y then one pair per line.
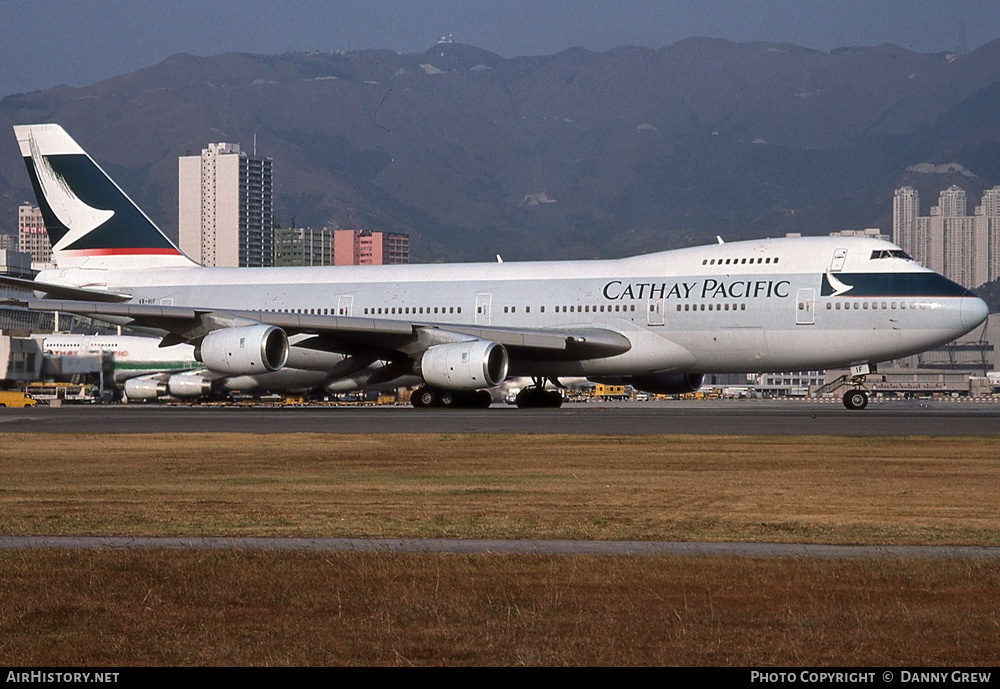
x,y
90,221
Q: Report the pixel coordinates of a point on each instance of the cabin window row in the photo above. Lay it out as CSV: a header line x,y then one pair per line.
x,y
586,308
702,307
423,310
343,311
738,261
410,310
847,306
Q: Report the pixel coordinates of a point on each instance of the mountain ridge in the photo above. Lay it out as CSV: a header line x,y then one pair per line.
x,y
572,155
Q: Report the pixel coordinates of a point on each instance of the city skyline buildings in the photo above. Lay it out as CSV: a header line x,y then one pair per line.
x,y
964,248
225,218
306,246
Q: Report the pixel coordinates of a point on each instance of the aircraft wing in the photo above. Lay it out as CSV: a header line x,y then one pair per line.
x,y
350,334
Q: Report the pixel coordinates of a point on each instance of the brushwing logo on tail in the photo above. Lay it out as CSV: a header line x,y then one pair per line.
x,y
80,218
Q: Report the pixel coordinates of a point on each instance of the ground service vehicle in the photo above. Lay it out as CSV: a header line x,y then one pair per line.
x,y
13,398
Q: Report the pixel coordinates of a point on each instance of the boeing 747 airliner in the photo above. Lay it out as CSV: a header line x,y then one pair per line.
x,y
657,321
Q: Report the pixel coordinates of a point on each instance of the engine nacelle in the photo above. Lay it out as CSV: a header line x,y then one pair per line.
x,y
471,365
660,383
145,389
244,350
188,385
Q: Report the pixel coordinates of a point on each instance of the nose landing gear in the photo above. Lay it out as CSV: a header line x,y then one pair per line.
x,y
856,399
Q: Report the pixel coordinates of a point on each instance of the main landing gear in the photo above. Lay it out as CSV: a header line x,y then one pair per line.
x,y
537,396
427,396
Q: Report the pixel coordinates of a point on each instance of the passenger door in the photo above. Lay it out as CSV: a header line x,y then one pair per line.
x,y
654,312
484,309
345,305
805,306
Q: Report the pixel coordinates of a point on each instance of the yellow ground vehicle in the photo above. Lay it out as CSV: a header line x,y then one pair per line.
x,y
611,392
16,399
84,393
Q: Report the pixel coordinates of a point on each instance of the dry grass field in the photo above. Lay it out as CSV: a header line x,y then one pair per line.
x,y
255,608
89,608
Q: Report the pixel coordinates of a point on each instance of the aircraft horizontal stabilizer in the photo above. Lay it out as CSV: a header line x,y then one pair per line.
x,y
64,292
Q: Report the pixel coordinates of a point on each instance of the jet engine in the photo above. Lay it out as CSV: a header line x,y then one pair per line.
x,y
145,388
668,383
659,383
188,385
471,365
244,350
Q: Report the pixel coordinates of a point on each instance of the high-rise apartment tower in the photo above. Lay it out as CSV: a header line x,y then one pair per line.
x,y
964,248
905,209
225,207
31,235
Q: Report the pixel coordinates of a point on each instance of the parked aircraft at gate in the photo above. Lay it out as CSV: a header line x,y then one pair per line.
x,y
657,321
132,356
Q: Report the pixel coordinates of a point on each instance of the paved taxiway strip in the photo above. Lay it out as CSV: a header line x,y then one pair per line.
x,y
723,417
483,546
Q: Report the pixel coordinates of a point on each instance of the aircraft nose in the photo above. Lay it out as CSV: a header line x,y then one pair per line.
x,y
974,312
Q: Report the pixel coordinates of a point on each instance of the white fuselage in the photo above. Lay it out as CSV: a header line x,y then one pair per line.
x,y
767,305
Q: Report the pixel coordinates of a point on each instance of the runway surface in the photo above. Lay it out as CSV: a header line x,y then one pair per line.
x,y
716,417
505,547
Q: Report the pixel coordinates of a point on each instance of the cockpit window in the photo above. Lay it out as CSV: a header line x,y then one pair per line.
x,y
890,253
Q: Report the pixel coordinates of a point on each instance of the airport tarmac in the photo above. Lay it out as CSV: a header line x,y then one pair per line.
x,y
712,417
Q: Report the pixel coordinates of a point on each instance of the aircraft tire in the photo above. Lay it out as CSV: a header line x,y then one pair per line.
x,y
527,398
856,399
424,397
534,398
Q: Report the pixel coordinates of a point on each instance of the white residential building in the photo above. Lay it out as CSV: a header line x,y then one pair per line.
x,y
225,207
962,247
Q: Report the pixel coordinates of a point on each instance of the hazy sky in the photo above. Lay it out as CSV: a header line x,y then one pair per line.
x,y
49,42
